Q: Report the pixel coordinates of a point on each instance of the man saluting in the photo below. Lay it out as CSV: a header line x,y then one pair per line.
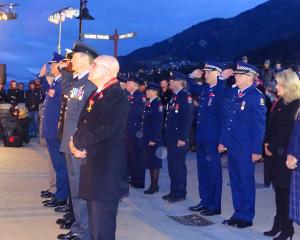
x,y
100,139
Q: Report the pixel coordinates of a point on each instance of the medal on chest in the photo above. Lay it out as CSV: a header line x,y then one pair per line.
x,y
176,108
148,105
99,95
211,96
243,104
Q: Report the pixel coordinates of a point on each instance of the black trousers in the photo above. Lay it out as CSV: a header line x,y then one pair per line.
x,y
282,198
102,219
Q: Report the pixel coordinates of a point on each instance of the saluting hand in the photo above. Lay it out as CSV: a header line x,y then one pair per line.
x,y
221,148
197,73
256,157
43,70
291,162
180,143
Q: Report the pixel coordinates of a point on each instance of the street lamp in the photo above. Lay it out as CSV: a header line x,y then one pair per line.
x,y
7,12
59,17
84,15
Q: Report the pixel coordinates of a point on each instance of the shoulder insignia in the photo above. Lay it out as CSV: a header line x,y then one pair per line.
x,y
262,101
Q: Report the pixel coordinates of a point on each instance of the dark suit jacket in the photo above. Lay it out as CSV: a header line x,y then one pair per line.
x,y
101,132
278,133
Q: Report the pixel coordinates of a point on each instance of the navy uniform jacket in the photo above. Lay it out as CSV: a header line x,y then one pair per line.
x,y
101,133
33,99
136,108
77,98
3,97
51,108
153,122
245,121
66,84
179,117
210,116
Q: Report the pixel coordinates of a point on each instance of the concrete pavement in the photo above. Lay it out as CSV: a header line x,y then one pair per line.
x,y
24,172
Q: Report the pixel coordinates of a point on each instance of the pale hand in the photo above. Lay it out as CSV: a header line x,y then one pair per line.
x,y
62,64
267,151
221,148
227,73
77,153
151,143
256,157
43,70
180,143
291,162
197,73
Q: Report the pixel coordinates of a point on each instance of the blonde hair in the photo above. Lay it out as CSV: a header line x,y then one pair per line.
x,y
289,80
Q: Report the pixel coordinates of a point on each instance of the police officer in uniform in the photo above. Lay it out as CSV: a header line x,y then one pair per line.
x,y
208,130
134,135
152,134
50,131
177,128
83,56
242,137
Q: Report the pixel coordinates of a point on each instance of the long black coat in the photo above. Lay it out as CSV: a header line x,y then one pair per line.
x,y
101,132
278,133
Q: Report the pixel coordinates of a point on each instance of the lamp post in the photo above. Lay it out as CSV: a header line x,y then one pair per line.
x,y
59,17
84,15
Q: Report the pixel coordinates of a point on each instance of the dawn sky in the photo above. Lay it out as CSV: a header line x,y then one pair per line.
x,y
28,42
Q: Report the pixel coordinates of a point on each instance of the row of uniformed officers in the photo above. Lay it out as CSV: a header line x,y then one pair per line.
x,y
228,119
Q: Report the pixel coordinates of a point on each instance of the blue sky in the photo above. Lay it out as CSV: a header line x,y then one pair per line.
x,y
28,42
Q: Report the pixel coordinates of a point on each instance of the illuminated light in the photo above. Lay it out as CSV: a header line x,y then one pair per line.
x,y
5,17
128,35
96,36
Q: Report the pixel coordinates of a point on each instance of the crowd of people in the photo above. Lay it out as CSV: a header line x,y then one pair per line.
x,y
24,107
104,130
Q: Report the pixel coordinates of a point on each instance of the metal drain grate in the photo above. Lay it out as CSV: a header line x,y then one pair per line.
x,y
192,220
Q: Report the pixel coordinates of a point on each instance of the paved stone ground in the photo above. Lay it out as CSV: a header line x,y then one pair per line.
x,y
24,172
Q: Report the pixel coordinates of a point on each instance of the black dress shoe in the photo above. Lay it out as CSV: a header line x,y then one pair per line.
x,y
62,209
176,199
55,203
61,221
210,213
151,190
137,185
197,208
243,224
68,236
68,215
167,196
47,195
67,225
47,200
230,222
45,191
